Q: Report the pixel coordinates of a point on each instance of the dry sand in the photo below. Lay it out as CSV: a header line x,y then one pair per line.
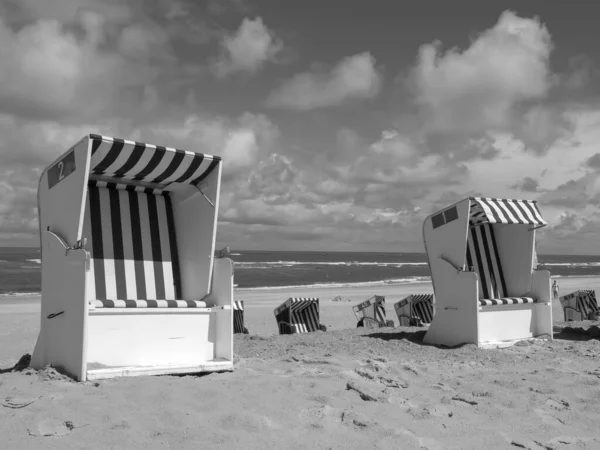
x,y
347,388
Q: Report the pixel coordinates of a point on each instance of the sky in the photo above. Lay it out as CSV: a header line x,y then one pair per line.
x,y
342,124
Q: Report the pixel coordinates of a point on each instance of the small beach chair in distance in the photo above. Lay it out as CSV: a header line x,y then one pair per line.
x,y
371,313
580,305
487,291
130,282
415,310
298,315
238,317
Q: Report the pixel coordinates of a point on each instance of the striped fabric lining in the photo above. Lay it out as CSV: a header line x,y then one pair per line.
x,y
415,308
507,211
483,257
136,161
149,304
373,308
131,236
238,316
302,314
585,304
506,301
422,307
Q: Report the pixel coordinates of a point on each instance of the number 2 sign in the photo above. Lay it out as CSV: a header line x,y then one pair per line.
x,y
61,169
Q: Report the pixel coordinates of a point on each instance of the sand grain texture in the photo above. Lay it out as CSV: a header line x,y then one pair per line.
x,y
346,388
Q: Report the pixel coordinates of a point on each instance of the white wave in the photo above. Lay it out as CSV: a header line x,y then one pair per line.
x,y
1,261
235,254
267,264
19,294
399,281
573,264
38,261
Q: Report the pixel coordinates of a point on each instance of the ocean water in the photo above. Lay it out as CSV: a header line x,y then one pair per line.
x,y
20,268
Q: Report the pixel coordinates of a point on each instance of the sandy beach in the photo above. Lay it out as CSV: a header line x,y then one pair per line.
x,y
345,388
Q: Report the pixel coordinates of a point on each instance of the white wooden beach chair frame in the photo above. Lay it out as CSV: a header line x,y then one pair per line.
x,y
147,296
470,307
371,313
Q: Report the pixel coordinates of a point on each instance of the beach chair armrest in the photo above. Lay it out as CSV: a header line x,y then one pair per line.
x,y
541,289
460,287
222,283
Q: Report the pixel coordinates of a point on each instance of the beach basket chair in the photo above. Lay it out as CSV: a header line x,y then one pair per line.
x,y
371,313
238,317
416,310
130,283
298,315
487,292
580,305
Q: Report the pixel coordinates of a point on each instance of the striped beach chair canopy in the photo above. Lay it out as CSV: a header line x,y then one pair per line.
x,y
121,161
505,211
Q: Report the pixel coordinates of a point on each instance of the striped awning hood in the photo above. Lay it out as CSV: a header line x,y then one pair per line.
x,y
508,211
147,163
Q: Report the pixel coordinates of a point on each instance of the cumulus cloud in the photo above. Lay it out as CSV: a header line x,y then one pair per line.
x,y
527,184
575,193
491,85
248,49
352,78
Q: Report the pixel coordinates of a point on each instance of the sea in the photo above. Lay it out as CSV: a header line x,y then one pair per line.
x,y
20,269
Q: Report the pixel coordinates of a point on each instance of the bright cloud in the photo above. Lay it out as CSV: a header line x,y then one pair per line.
x,y
248,49
352,78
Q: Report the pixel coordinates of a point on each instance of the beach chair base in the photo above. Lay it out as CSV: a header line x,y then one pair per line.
x,y
216,365
367,322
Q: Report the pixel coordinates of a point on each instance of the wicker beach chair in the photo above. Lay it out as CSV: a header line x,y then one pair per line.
x,y
130,284
371,313
487,290
580,305
416,310
298,315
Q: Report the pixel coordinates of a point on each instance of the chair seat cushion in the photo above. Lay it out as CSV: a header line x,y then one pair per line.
x,y
505,301
149,304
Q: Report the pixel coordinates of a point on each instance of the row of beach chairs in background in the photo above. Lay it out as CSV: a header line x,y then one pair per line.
x,y
301,315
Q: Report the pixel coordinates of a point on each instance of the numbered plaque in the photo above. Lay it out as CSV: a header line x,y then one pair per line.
x,y
62,169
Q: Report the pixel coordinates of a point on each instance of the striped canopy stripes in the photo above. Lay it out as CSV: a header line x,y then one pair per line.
x,y
298,315
582,302
238,317
483,257
131,236
506,211
373,308
136,161
416,309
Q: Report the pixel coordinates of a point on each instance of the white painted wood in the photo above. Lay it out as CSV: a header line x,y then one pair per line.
x,y
62,339
455,319
195,227
61,207
222,295
216,365
515,248
150,339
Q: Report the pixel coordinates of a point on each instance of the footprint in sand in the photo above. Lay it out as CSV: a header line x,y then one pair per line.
x,y
315,414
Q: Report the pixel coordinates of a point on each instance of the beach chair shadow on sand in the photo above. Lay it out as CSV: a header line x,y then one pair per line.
x,y
481,254
298,315
580,305
416,310
130,284
371,313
